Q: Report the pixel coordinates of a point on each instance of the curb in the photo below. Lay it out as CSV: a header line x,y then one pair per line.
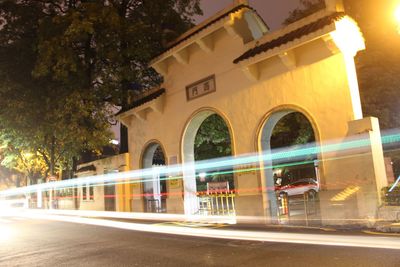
x,y
389,228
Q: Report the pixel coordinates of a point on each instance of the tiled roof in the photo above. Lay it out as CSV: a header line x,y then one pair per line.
x,y
205,25
87,168
143,100
291,36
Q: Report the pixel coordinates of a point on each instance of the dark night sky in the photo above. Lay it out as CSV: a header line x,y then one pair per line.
x,y
273,12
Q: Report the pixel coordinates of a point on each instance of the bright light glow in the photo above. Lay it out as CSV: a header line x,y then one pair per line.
x,y
6,233
397,14
202,176
114,142
348,37
28,155
397,17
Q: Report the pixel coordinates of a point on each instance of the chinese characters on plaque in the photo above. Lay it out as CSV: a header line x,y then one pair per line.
x,y
201,88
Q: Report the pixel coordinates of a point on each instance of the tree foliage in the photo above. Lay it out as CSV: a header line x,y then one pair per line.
x,y
293,129
306,8
212,139
105,46
65,63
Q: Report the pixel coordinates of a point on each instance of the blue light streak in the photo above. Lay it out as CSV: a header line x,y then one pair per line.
x,y
175,171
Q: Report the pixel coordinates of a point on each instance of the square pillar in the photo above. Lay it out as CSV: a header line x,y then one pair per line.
x,y
354,174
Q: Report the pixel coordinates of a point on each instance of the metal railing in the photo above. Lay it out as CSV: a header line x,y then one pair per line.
x,y
222,204
391,198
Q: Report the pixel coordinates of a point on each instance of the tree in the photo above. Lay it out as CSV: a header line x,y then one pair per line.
x,y
212,139
105,46
292,130
306,8
24,164
9,179
64,63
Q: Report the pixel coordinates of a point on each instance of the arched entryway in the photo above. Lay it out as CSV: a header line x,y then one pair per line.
x,y
207,136
292,183
154,187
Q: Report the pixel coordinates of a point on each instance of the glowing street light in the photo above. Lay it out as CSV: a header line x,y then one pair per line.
x,y
397,17
202,176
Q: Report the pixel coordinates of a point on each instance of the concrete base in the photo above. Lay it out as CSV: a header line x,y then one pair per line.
x,y
389,213
137,205
175,206
249,209
338,212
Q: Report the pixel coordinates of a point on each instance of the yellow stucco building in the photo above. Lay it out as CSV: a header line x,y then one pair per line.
x,y
233,66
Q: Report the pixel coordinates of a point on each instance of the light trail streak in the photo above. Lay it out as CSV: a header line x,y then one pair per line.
x,y
258,189
278,157
395,184
262,236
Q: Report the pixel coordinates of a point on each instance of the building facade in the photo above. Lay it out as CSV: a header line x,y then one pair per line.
x,y
232,66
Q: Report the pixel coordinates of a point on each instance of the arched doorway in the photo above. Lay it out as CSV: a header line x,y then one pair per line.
x,y
154,187
207,136
292,183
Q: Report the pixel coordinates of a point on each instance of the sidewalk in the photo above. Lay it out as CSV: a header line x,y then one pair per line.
x,y
388,227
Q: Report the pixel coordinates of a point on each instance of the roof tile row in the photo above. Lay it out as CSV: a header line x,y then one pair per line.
x,y
291,36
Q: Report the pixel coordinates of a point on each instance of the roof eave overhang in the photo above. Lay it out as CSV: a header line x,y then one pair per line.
x,y
250,66
204,37
140,112
320,34
191,40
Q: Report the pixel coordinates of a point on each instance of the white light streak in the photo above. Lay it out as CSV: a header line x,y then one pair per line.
x,y
278,156
395,184
296,238
6,233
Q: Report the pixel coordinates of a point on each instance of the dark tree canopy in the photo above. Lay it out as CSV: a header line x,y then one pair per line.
x,y
306,8
212,139
64,64
293,129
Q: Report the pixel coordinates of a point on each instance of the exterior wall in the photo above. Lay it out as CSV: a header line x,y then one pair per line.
x,y
66,204
320,82
245,104
319,79
98,201
117,163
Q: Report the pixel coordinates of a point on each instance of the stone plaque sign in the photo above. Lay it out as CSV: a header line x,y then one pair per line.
x,y
201,88
217,187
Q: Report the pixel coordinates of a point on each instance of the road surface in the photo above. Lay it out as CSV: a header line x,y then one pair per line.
x,y
38,242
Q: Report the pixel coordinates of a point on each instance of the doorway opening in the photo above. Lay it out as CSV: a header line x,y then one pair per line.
x,y
155,186
207,191
292,183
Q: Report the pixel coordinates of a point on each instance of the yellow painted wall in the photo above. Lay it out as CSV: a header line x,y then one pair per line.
x,y
318,87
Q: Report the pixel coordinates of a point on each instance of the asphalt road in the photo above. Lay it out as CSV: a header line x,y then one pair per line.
x,y
34,242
